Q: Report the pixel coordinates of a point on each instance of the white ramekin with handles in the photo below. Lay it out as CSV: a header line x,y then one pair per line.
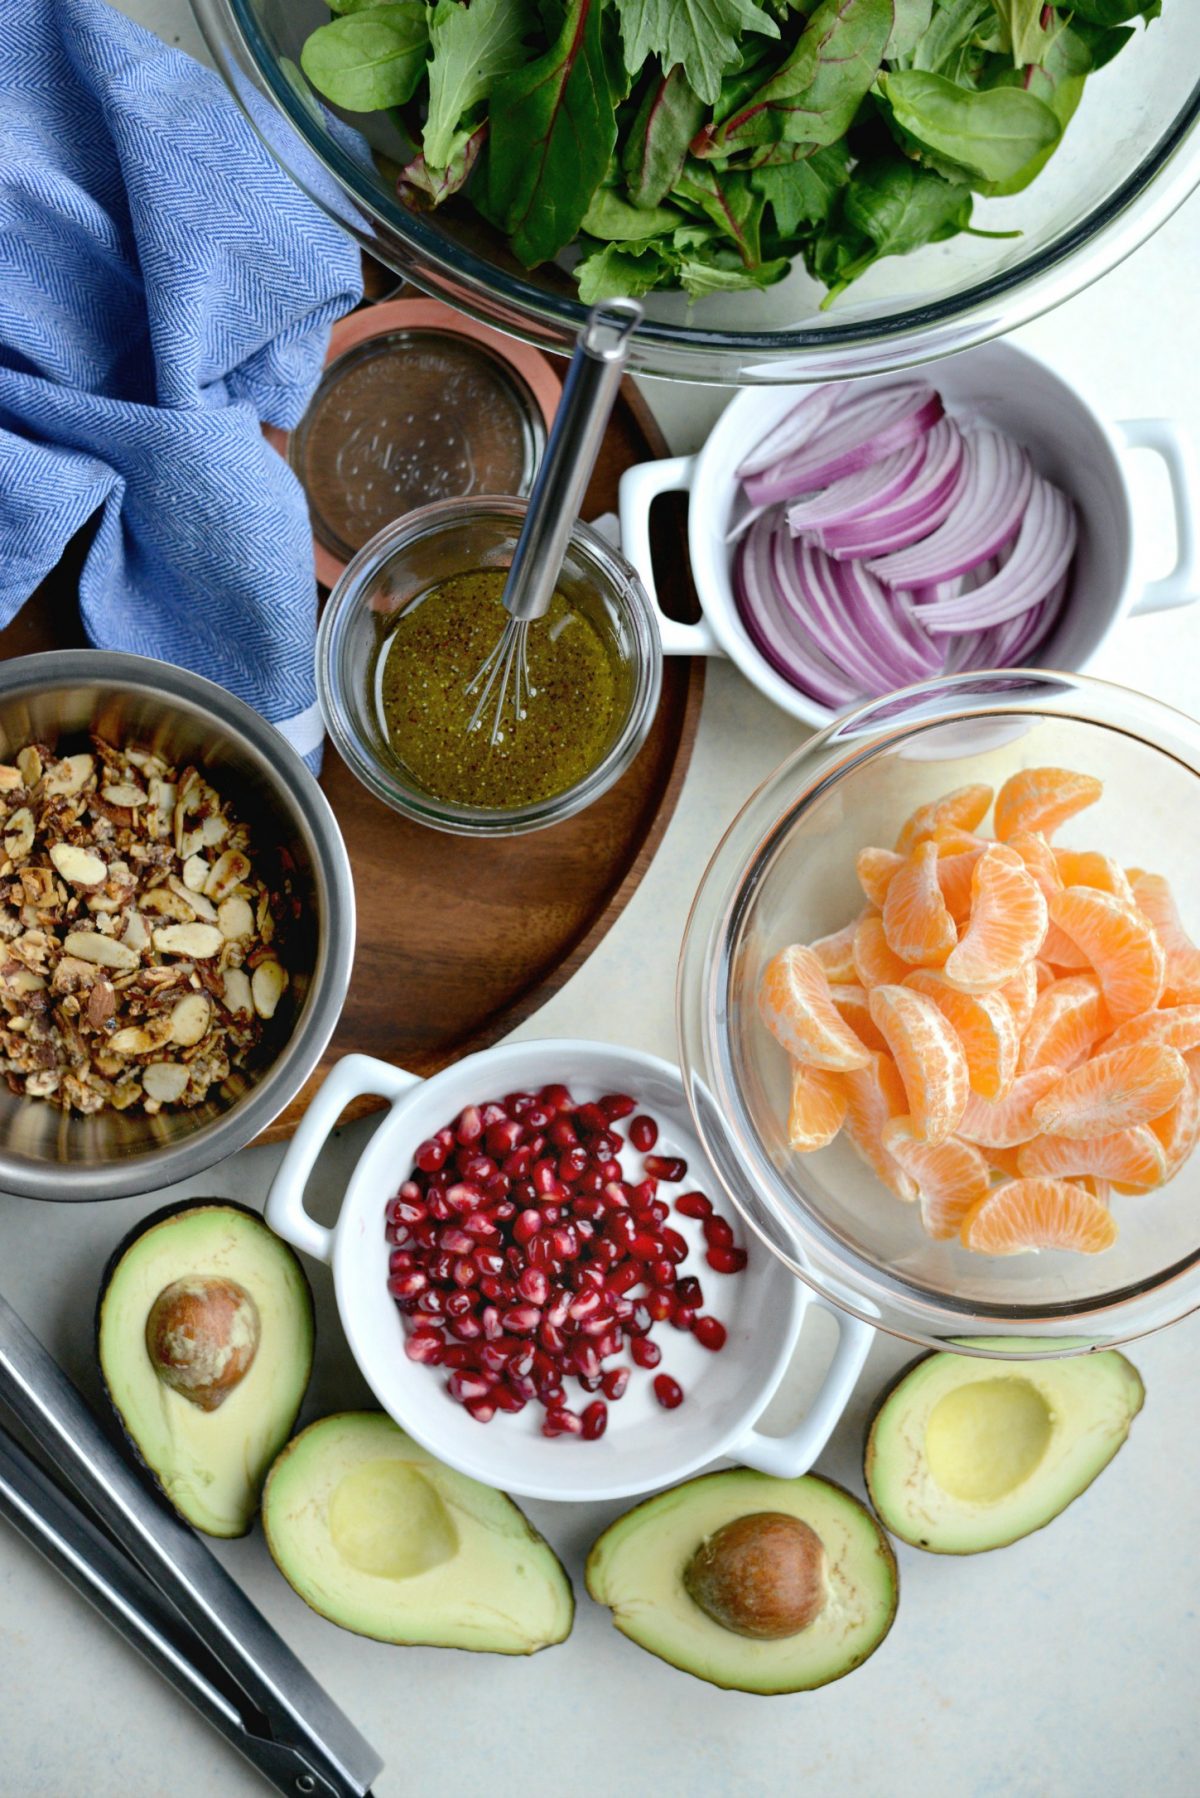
x,y
645,1447
1070,443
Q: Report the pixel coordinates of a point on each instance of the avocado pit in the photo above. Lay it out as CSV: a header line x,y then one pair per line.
x,y
761,1576
202,1334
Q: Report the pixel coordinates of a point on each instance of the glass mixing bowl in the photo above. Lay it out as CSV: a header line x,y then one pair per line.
x,y
1130,155
785,873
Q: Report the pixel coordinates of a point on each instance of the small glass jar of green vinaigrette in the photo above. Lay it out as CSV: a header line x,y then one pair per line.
x,y
409,623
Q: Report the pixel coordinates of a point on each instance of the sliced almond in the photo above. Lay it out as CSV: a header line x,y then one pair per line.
x,y
197,940
146,761
238,996
167,903
267,986
23,980
189,1019
162,798
141,1039
10,778
18,834
214,830
230,871
201,907
195,873
235,920
136,934
43,1083
123,792
165,1081
103,951
30,764
79,866
68,776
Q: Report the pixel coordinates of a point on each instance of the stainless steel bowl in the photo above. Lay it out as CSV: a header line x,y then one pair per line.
x,y
64,695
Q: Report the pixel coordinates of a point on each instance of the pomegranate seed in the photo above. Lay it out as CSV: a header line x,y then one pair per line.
x,y
605,1252
399,1235
615,1382
643,1192
505,1209
660,1273
667,1391
481,1409
488,1261
572,1164
693,1204
717,1233
465,1329
597,1325
562,1133
492,1114
689,1292
465,1272
727,1261
458,1355
505,1399
564,1244
555,1097
400,1260
522,1320
518,1164
492,1287
441,1267
551,1337
674,1245
440,1207
710,1333
666,1167
645,1247
538,1116
489,1317
469,1127
434,1302
645,1352
643,1134
537,1145
595,1420
611,1343
455,1241
585,1279
616,1196
517,1104
502,1138
406,1211
588,1382
586,1305
559,1307
660,1303
465,1386
622,1278
520,1360
541,1253
522,1387
463,1197
641,1322
587,1361
590,1182
430,1156
493,1357
609,1170
591,1120
409,1284
551,1396
551,1214
427,1346
617,1105
526,1225
561,1422
459,1303
683,1317
533,1284
622,1309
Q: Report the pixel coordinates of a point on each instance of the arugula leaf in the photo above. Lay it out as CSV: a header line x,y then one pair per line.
x,y
369,59
655,150
703,35
1022,34
553,130
614,220
990,134
802,192
698,276
622,270
814,94
729,200
472,46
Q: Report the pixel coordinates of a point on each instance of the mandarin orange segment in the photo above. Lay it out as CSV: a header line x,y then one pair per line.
x,y
954,877
928,1056
796,1007
1068,1017
1042,799
1119,943
1176,1025
962,809
950,1176
875,868
1003,1161
1006,925
984,1025
835,952
1134,1156
1059,954
1038,1214
916,924
1178,1130
818,1105
1088,868
874,1095
1111,1092
1155,900
874,962
1002,1123
851,1002
1020,994
1039,858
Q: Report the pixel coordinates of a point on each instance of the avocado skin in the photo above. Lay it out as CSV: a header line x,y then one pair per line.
x,y
121,1434
887,1554
889,1392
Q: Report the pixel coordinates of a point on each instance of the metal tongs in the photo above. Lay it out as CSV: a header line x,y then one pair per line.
x,y
156,1582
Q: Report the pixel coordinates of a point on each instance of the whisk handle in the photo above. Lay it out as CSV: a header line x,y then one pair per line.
x,y
588,395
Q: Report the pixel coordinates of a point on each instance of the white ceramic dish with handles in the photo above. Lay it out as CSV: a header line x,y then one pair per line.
x,y
645,1447
1070,443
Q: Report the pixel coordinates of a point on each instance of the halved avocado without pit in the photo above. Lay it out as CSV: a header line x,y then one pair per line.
x,y
380,1537
753,1583
966,1454
205,1342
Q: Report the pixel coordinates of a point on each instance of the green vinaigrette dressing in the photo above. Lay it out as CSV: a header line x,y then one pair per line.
x,y
427,657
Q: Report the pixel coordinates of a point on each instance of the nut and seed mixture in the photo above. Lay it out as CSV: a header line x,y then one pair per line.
x,y
138,953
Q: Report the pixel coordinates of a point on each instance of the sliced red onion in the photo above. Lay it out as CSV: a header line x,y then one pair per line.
x,y
856,494
864,429
927,502
898,644
985,516
1040,558
773,630
793,430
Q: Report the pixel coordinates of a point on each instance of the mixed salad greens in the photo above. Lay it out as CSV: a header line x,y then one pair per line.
x,y
703,144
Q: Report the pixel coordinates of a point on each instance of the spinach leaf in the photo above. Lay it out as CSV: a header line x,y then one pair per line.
x,y
953,27
703,35
991,135
913,18
369,59
1116,12
1022,33
622,270
1103,41
655,150
472,46
614,220
802,192
814,94
1059,81
729,201
553,130
890,208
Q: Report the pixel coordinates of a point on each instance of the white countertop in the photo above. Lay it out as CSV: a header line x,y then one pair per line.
x,y
1063,1665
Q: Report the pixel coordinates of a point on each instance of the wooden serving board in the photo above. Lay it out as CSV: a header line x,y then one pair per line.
x,y
460,939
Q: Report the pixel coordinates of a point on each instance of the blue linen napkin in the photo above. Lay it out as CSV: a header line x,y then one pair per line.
x,y
164,288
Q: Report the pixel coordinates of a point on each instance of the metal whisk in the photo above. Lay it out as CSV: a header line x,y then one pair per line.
x,y
589,392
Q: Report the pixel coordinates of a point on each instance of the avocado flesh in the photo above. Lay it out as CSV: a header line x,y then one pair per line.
x,y
637,1568
966,1455
210,1464
381,1538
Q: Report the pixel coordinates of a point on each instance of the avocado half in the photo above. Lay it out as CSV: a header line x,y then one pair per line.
x,y
207,1441
384,1540
966,1455
643,1564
